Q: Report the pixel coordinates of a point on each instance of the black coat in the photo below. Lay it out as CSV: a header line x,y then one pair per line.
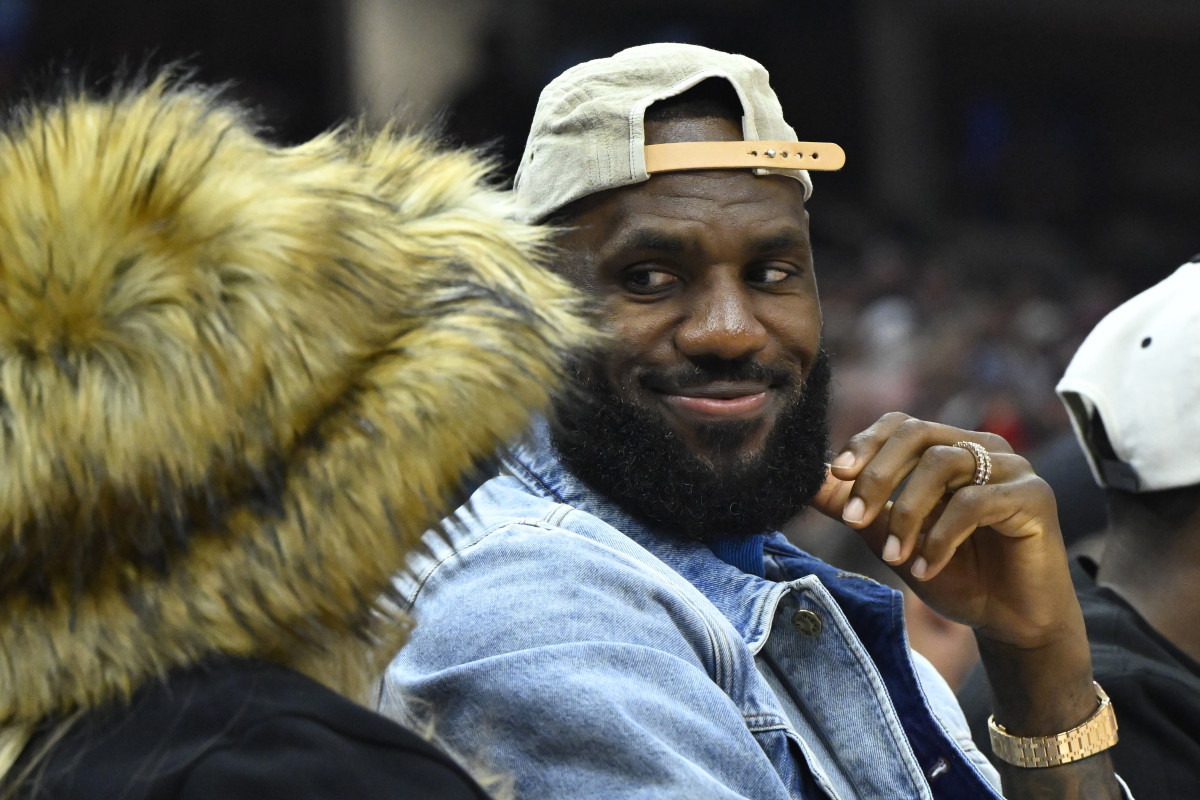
x,y
242,729
1154,687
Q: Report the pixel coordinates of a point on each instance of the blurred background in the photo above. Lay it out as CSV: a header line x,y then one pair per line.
x,y
1015,168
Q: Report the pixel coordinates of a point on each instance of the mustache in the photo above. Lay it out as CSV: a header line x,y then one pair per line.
x,y
692,375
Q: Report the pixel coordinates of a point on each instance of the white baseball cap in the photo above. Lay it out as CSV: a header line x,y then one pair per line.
x,y
587,133
1139,372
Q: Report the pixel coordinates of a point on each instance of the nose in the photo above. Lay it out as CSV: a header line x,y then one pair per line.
x,y
721,323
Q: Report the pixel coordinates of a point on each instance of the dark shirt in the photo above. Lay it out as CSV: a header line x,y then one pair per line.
x,y
1155,691
241,729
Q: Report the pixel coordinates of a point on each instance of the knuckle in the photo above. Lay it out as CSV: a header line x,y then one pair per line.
x,y
913,429
945,455
995,443
969,499
894,418
882,428
860,441
1015,468
869,482
905,515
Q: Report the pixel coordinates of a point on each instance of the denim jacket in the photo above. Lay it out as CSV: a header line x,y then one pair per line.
x,y
564,644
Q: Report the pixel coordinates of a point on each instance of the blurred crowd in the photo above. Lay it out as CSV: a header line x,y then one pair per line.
x,y
973,331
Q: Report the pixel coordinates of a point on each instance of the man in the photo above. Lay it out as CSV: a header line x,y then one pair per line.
x,y
610,617
1132,390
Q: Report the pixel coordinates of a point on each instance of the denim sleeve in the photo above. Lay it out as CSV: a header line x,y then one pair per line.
x,y
950,714
563,663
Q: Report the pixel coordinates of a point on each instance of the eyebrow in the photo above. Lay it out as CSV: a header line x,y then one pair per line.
x,y
647,239
780,242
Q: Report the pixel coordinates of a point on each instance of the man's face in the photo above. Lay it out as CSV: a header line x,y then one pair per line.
x,y
705,279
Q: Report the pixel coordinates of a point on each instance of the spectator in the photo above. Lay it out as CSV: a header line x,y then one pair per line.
x,y
1132,390
614,615
237,382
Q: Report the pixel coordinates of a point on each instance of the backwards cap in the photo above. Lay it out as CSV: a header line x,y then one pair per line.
x,y
587,133
1139,371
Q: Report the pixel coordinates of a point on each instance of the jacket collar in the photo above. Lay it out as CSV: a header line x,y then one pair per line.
x,y
746,600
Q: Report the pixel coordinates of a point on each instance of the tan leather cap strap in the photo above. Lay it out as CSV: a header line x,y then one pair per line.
x,y
754,155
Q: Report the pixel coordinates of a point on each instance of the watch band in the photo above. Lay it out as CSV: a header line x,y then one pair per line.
x,y
1097,733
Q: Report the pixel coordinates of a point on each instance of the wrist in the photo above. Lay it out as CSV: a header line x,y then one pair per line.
x,y
1040,691
1094,735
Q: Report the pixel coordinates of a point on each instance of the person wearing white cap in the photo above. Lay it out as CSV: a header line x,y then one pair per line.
x,y
1132,391
616,615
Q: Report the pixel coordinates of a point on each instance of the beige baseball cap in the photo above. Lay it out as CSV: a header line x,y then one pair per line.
x,y
587,134
1139,371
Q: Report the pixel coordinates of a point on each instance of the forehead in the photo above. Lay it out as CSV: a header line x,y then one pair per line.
x,y
734,201
721,207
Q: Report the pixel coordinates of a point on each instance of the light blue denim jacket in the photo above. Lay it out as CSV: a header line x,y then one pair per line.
x,y
562,643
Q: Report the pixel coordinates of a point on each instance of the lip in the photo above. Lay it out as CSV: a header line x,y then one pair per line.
x,y
720,401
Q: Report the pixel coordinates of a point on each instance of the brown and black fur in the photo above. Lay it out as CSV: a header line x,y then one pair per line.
x,y
237,382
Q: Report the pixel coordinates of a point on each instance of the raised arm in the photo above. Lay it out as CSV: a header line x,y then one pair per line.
x,y
985,550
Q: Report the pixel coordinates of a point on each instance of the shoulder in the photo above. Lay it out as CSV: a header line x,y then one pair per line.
x,y
545,581
236,729
507,538
529,583
303,740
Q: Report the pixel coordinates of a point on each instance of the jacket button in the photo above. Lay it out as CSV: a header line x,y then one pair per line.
x,y
807,622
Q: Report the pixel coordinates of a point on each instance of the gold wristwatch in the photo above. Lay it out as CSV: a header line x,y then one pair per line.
x,y
1097,733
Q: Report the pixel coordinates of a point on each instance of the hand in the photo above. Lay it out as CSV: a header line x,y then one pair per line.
x,y
990,556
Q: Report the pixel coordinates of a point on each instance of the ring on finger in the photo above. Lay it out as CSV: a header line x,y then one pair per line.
x,y
983,461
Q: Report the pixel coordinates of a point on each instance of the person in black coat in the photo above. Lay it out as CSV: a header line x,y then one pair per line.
x,y
237,382
1132,390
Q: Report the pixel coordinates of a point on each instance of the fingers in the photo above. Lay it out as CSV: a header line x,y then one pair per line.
x,y
936,505
884,455
940,471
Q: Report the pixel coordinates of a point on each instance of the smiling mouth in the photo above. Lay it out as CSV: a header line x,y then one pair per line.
x,y
719,401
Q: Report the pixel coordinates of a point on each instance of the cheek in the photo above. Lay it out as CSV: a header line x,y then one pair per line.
x,y
797,330
638,330
634,348
621,369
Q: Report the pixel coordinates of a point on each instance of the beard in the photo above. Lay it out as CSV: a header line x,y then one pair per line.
x,y
633,456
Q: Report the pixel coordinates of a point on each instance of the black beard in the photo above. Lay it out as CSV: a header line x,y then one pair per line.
x,y
634,458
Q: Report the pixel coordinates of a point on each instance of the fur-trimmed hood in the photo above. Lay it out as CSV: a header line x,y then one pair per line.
x,y
238,380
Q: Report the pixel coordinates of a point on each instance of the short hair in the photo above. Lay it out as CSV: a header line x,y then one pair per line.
x,y
710,98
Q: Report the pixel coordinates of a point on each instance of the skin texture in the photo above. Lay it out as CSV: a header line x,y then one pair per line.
x,y
1154,564
699,267
708,265
994,560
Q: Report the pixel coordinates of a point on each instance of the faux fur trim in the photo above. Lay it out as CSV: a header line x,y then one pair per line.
x,y
237,381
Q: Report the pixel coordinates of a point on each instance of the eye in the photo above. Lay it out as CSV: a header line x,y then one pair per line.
x,y
770,274
649,281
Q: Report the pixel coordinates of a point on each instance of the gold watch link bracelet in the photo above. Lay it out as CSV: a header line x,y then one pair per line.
x,y
1097,733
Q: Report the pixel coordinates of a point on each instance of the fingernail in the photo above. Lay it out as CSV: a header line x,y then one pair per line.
x,y
845,460
891,549
854,511
919,568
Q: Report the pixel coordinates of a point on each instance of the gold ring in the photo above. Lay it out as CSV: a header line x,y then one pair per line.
x,y
983,461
